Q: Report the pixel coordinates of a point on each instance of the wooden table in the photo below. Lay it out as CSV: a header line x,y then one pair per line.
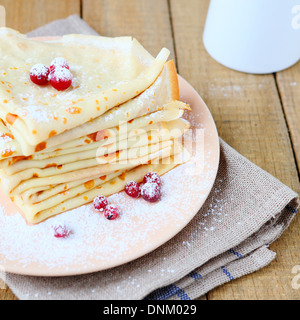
x,y
258,115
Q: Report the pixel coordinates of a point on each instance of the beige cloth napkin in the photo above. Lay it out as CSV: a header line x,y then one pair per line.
x,y
246,210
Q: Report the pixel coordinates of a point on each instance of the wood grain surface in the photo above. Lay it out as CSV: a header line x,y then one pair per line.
x,y
258,115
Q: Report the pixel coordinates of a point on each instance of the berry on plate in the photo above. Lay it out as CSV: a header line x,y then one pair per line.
x,y
132,188
39,74
152,177
151,192
61,78
111,212
100,203
61,231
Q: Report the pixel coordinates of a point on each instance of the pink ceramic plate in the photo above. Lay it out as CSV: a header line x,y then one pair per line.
x,y
96,243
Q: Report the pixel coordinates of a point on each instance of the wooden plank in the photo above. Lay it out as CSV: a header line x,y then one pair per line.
x,y
288,82
147,21
249,116
25,16
7,294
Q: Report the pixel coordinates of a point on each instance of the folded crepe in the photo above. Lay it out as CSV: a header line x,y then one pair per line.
x,y
14,171
162,91
152,134
75,197
170,111
120,119
106,73
40,193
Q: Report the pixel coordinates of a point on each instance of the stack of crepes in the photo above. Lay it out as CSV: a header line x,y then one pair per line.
x,y
120,119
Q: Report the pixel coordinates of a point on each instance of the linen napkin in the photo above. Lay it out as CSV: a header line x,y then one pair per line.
x,y
229,237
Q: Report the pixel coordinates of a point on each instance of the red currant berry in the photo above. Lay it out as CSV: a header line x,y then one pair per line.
x,y
39,74
132,188
111,212
61,78
150,191
61,231
59,62
152,177
100,203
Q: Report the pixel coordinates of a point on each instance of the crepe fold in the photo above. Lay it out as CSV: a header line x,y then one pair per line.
x,y
73,197
162,91
120,119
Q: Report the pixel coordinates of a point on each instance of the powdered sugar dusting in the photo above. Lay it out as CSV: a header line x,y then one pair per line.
x,y
94,240
39,69
150,191
61,73
59,62
8,151
37,113
4,139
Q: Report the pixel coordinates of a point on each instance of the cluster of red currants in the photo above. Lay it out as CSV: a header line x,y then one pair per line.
x,y
59,75
149,190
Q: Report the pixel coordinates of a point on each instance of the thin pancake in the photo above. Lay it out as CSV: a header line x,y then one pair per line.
x,y
162,91
33,216
14,185
41,193
38,194
157,133
170,111
117,70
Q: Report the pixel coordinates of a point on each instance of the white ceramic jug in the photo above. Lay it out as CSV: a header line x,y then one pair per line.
x,y
254,36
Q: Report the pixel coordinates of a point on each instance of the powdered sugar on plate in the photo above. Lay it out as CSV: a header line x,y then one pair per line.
x,y
94,240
